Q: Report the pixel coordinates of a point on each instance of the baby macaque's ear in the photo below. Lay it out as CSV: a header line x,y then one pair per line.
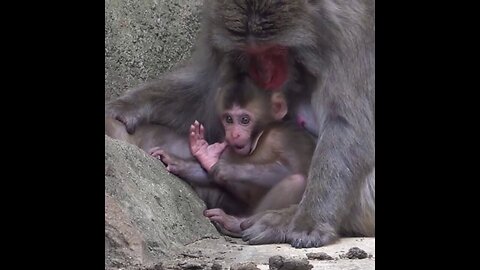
x,y
279,106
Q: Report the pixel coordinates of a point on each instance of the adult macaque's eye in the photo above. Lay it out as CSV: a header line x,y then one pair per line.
x,y
228,119
245,120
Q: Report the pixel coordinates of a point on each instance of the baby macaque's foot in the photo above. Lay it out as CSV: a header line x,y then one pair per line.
x,y
228,222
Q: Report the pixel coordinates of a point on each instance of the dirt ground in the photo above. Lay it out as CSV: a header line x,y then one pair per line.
x,y
347,253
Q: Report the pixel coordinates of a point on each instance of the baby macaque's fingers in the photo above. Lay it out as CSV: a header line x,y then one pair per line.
x,y
192,138
151,151
213,212
197,130
202,132
223,144
219,219
193,132
158,153
219,147
192,128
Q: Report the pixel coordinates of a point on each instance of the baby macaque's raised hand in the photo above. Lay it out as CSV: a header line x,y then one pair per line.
x,y
207,155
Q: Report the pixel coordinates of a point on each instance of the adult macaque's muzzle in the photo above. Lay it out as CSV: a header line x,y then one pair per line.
x,y
268,66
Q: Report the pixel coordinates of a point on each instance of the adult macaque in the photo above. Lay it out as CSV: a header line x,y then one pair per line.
x,y
325,46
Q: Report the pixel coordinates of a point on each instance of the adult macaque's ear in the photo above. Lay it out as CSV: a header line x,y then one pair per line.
x,y
279,106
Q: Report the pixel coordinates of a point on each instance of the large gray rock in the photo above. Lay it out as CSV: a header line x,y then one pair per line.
x,y
149,213
145,38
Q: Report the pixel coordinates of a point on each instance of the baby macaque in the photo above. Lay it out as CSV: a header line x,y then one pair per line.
x,y
266,160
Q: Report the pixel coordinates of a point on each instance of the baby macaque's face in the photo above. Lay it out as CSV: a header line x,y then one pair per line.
x,y
238,124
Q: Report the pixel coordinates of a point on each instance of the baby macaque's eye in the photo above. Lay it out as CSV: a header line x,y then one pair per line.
x,y
245,120
228,119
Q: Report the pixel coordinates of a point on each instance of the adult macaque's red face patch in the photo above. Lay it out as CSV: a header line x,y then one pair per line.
x,y
268,66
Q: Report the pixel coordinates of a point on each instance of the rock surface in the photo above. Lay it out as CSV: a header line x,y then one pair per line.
x,y
145,38
149,213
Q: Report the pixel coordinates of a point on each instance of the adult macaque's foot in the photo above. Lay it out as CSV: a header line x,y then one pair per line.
x,y
287,226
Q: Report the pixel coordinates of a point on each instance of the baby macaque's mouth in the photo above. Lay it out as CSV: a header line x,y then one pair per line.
x,y
239,147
